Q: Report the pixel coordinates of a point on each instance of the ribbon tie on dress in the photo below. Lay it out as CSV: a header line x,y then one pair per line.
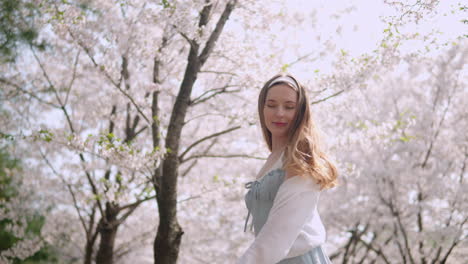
x,y
251,185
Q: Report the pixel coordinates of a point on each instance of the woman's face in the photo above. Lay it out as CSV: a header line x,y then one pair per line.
x,y
280,109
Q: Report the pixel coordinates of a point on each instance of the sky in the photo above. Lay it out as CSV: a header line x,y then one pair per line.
x,y
356,27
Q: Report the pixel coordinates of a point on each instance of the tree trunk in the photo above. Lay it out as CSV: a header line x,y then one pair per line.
x,y
88,252
91,235
107,231
167,241
169,235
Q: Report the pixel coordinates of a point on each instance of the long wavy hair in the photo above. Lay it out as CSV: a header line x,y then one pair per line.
x,y
303,153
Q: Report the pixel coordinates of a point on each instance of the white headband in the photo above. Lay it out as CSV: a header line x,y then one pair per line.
x,y
285,79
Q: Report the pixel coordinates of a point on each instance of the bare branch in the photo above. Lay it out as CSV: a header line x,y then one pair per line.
x,y
46,76
190,41
455,241
200,116
377,251
75,202
181,157
217,31
33,95
75,66
303,57
106,74
215,91
131,244
196,161
70,124
326,98
222,156
205,14
190,167
131,208
219,72
136,203
197,196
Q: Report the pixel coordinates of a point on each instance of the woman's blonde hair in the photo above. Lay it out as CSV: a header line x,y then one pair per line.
x,y
303,152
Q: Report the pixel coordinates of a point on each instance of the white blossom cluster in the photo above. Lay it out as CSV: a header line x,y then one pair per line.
x,y
379,112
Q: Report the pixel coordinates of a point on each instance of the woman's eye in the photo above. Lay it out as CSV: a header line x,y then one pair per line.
x,y
285,107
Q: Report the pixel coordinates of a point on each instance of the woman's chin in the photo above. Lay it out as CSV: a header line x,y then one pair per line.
x,y
279,132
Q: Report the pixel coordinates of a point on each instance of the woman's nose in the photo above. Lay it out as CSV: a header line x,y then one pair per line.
x,y
280,111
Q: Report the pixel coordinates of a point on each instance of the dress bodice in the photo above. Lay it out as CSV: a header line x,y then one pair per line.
x,y
287,226
262,192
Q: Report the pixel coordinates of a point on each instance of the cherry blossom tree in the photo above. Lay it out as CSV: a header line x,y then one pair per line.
x,y
405,161
120,173
136,101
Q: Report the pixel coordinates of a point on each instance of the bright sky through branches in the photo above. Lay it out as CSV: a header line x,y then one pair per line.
x,y
354,27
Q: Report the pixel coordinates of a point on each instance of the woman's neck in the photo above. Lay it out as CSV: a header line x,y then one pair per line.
x,y
278,144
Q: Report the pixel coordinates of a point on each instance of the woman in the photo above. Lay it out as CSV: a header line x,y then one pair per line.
x,y
283,199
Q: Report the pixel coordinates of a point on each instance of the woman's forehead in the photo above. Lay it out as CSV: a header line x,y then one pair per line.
x,y
281,92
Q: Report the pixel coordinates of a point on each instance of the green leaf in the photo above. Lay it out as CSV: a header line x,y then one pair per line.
x,y
118,177
6,136
97,197
165,3
46,135
406,138
148,189
70,137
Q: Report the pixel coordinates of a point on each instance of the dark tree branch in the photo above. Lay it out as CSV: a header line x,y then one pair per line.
x,y
326,98
131,208
33,95
455,241
72,81
192,165
205,14
70,124
221,156
376,251
109,78
181,157
219,72
216,32
215,92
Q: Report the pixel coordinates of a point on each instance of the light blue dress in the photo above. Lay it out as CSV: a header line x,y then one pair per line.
x,y
259,201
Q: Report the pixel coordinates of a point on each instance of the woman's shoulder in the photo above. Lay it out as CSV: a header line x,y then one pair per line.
x,y
299,181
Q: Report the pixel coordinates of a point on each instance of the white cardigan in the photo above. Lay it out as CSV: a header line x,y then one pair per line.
x,y
293,226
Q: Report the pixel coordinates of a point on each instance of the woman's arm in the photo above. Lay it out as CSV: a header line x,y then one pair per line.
x,y
293,206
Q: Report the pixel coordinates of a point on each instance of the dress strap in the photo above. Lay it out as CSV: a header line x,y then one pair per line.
x,y
247,221
250,185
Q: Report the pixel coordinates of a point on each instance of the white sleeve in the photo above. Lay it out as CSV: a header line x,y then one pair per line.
x,y
294,204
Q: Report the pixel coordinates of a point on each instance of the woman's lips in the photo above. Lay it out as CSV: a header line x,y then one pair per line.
x,y
279,124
